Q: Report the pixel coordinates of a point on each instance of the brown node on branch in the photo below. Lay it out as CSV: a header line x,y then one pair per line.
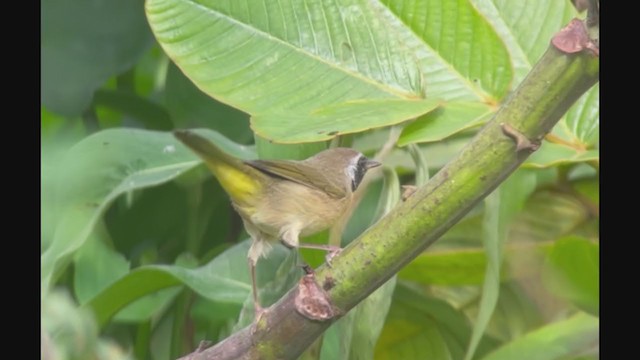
x,y
311,301
407,191
522,142
574,38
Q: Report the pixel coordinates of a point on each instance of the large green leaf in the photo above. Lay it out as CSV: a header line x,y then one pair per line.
x,y
547,216
67,332
559,340
269,150
583,119
456,267
96,266
189,107
463,40
500,209
82,46
354,336
420,327
516,312
294,59
370,316
576,137
545,16
142,228
147,307
213,318
224,279
572,272
445,121
104,166
344,118
553,154
57,136
457,259
407,335
147,112
513,21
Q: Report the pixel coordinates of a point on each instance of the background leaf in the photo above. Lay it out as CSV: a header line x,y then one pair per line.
x,y
557,340
546,16
53,146
463,40
583,119
344,118
147,112
103,167
355,335
96,266
514,23
420,325
343,60
445,121
191,107
475,65
463,266
500,209
82,47
162,262
70,333
572,272
225,279
551,154
409,339
506,31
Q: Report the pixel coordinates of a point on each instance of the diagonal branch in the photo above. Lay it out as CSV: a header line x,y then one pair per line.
x,y
552,86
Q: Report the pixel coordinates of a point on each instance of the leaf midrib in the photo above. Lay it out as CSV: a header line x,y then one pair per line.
x,y
385,88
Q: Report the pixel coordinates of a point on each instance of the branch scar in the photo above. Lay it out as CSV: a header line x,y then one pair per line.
x,y
522,142
311,301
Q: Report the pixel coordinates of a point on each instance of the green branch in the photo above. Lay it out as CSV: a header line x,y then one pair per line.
x,y
552,86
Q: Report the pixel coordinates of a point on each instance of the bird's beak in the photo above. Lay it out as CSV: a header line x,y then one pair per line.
x,y
371,164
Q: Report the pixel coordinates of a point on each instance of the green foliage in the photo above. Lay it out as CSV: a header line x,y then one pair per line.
x,y
500,209
70,333
560,340
571,272
145,253
82,47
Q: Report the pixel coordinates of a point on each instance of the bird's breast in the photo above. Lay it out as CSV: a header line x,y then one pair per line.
x,y
288,203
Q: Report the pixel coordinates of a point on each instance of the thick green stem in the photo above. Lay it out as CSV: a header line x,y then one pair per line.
x,y
552,86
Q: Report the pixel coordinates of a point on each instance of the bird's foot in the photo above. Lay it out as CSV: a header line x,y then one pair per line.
x,y
332,252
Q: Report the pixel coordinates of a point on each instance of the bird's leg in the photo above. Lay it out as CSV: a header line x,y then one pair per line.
x,y
254,286
290,240
258,248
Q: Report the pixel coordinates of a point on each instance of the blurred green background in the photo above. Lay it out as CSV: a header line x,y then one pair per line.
x,y
143,256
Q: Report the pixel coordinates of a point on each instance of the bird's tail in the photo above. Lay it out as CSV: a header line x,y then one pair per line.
x,y
237,178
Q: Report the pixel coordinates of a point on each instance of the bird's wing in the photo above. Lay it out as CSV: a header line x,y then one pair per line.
x,y
301,173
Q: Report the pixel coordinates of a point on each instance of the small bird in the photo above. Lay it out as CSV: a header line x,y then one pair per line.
x,y
281,200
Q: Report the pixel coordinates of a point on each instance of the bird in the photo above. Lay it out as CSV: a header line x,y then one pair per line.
x,y
283,200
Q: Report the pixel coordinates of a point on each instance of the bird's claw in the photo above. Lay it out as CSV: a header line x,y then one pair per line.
x,y
332,253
